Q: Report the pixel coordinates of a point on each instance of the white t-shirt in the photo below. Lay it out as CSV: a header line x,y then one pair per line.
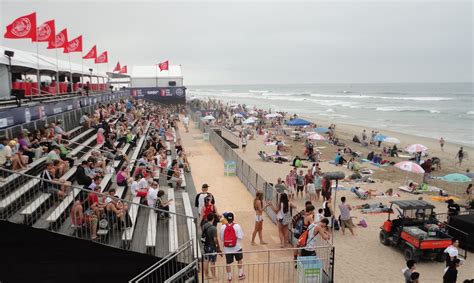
x,y
151,197
452,251
142,184
201,199
238,233
134,187
4,153
186,120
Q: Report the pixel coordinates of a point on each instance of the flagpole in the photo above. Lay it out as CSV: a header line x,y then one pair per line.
x,y
38,78
82,69
97,66
156,71
70,70
57,69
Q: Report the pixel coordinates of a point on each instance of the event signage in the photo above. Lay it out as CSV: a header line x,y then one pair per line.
x,y
20,115
160,94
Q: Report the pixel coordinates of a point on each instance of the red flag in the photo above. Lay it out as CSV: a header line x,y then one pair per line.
x,y
163,65
45,32
92,54
74,45
117,68
60,40
103,58
23,27
123,70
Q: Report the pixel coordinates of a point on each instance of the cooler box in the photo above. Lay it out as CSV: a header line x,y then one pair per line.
x,y
205,136
230,168
309,269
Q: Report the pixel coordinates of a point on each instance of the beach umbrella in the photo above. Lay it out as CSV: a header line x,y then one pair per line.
x,y
273,115
380,137
250,120
456,178
238,115
321,130
409,167
391,140
298,122
413,148
316,137
209,117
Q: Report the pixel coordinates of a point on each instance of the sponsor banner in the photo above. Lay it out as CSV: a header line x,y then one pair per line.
x,y
20,115
160,94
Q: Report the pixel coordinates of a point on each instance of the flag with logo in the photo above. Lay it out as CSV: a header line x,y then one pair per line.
x,y
22,27
92,54
74,45
163,65
45,32
59,41
102,58
123,70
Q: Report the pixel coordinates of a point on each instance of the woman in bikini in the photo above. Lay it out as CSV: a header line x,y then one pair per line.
x,y
259,208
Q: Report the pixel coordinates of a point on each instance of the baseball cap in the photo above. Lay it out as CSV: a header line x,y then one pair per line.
x,y
229,216
205,186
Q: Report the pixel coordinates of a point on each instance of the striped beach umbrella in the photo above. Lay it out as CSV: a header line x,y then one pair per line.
x,y
410,167
316,137
413,148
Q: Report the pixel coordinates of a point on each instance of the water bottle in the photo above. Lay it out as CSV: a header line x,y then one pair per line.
x,y
27,115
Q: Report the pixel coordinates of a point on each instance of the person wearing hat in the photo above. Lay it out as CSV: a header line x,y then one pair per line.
x,y
231,235
199,200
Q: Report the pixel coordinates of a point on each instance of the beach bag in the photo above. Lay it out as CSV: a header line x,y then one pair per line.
x,y
303,239
363,223
230,238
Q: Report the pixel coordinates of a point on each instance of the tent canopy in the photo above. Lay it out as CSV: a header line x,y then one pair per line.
x,y
28,62
298,122
153,72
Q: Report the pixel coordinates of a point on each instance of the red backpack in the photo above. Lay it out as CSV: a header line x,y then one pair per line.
x,y
230,238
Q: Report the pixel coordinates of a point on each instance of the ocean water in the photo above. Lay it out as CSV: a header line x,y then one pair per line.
x,y
423,109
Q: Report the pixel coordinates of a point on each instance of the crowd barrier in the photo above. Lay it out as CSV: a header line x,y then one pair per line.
x,y
247,175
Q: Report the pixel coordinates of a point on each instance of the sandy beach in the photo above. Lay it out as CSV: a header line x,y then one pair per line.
x,y
362,258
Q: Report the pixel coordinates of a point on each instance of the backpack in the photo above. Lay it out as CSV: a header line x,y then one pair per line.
x,y
230,238
298,223
303,239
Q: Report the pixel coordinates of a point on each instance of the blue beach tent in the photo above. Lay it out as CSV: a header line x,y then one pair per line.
x,y
297,122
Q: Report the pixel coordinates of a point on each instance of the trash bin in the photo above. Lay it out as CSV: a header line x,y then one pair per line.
x,y
230,168
205,136
309,269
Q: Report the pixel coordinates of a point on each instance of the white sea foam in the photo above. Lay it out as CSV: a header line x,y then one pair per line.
x,y
258,91
470,112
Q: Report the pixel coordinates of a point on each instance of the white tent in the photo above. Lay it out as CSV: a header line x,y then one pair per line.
x,y
151,76
30,62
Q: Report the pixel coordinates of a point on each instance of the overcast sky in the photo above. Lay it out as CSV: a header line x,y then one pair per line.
x,y
265,42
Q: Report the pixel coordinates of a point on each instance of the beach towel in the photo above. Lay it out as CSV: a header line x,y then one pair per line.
x,y
443,199
366,171
387,196
408,190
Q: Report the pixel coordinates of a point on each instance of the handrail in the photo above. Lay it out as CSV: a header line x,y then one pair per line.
x,y
91,191
161,262
182,271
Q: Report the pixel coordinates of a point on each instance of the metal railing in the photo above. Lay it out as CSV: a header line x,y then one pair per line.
x,y
274,265
247,175
170,267
99,215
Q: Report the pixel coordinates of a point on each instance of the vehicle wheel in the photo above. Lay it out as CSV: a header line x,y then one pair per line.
x,y
383,237
409,254
441,257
